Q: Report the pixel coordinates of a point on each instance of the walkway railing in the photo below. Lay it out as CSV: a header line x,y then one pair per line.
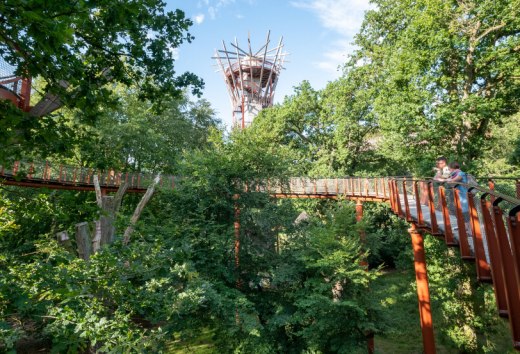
x,y
15,88
59,176
374,188
483,223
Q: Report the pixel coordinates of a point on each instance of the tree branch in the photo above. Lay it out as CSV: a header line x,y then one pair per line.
x,y
489,30
139,209
97,188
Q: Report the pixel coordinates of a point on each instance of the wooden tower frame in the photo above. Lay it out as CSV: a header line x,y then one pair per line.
x,y
250,77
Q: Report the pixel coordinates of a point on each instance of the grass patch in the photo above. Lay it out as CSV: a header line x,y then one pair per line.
x,y
201,344
395,292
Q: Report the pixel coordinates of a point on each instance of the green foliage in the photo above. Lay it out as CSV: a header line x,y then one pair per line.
x,y
429,78
27,215
503,156
91,43
447,72
91,46
179,275
135,137
324,133
468,319
387,239
323,297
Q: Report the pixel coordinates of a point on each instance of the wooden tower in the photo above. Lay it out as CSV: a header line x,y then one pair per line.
x,y
250,77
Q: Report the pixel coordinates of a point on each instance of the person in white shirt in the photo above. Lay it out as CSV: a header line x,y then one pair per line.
x,y
442,171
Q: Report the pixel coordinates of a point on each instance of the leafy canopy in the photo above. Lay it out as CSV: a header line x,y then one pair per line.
x,y
90,43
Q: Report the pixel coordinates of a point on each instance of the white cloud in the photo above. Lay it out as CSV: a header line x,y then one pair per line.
x,y
175,53
213,6
212,12
344,17
198,19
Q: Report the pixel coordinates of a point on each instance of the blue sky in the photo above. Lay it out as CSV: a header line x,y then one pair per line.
x,y
317,35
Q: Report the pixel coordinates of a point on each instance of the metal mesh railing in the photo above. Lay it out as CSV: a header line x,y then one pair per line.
x,y
8,79
509,186
454,214
49,173
322,187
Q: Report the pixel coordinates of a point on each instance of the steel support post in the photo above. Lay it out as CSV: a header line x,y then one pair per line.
x,y
423,291
236,224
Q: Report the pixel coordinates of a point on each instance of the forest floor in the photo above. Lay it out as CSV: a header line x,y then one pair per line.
x,y
395,292
203,344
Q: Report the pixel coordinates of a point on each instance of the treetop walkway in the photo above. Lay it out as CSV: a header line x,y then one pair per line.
x,y
483,220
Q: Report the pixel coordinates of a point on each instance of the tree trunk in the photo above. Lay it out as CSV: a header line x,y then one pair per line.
x,y
107,220
96,241
83,240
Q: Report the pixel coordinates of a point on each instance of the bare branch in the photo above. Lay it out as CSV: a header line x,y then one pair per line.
x,y
119,195
97,188
139,209
489,30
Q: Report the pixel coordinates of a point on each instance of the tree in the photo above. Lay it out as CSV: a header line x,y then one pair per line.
x,y
75,49
327,132
446,71
135,137
90,43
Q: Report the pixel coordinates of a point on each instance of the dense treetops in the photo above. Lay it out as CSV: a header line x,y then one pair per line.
x,y
428,78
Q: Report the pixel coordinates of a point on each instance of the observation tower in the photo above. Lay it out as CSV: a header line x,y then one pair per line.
x,y
250,77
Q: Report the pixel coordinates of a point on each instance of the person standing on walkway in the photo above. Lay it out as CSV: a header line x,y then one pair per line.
x,y
442,174
456,175
442,171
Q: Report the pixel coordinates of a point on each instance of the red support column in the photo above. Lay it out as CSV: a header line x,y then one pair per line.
x,y
423,291
25,93
431,205
420,219
491,185
424,193
362,234
31,171
391,195
407,213
510,261
398,201
237,239
16,166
